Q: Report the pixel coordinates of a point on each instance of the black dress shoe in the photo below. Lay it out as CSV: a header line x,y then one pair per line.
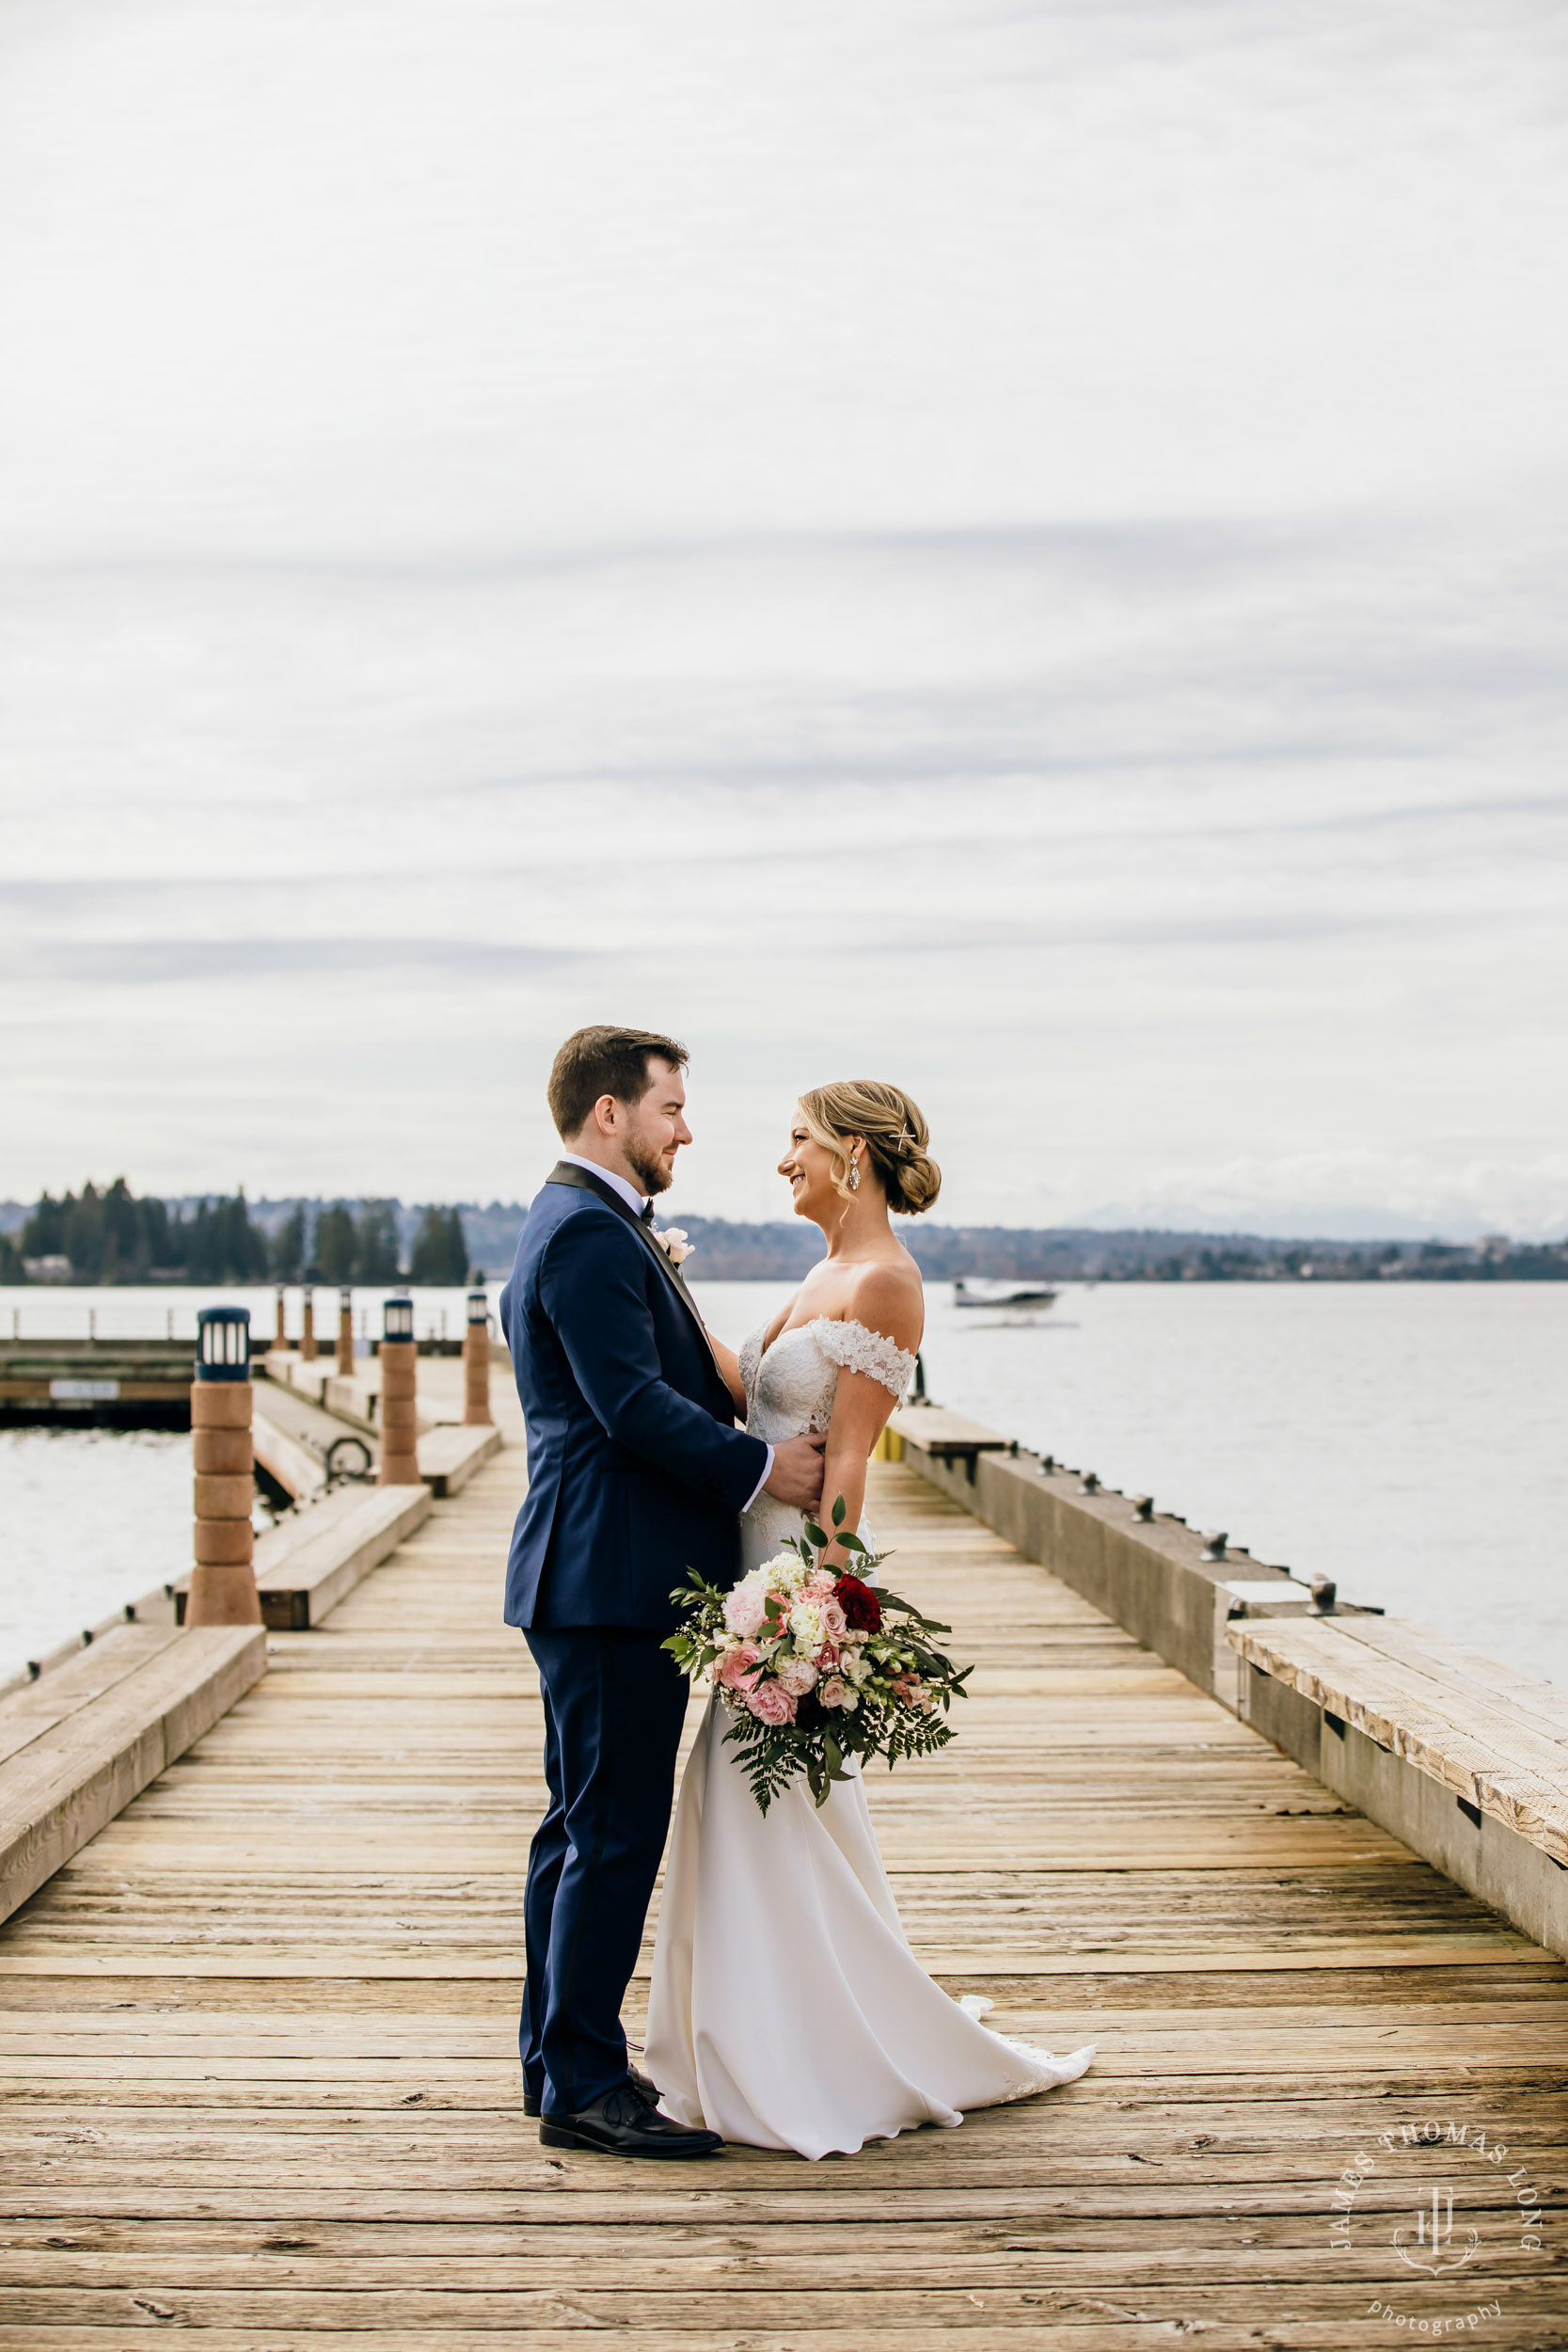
x,y
642,2084
622,2123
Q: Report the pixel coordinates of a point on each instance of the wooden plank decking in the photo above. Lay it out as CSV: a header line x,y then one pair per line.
x,y
259,2068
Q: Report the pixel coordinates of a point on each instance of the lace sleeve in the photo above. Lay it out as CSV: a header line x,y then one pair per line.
x,y
860,1350
751,1355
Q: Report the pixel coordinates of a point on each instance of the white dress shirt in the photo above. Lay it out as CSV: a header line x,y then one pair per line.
x,y
637,1202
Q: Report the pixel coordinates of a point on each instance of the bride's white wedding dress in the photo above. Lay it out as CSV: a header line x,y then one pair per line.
x,y
786,2009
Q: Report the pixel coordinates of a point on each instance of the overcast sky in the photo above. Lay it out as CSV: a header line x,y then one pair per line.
x,y
1019,550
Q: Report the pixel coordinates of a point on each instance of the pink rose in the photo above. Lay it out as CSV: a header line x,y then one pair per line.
x,y
821,1584
834,1691
827,1657
734,1670
797,1676
835,1625
770,1703
744,1608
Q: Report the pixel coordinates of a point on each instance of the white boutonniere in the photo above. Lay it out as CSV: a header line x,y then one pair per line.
x,y
675,1245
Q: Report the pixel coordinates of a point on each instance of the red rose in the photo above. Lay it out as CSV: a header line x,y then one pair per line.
x,y
863,1611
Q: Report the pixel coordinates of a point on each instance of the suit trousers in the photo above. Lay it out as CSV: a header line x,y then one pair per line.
x,y
615,1704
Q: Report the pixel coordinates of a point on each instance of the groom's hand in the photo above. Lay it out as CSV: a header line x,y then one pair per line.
x,y
797,1474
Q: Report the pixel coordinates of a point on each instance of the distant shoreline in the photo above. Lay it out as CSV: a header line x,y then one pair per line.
x,y
728,1252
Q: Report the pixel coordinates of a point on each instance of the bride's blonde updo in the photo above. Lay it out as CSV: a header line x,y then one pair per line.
x,y
896,1140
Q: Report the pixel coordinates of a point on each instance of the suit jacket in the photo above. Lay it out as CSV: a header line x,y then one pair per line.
x,y
635,1469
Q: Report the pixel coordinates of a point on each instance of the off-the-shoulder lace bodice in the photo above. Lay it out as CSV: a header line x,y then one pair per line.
x,y
790,1389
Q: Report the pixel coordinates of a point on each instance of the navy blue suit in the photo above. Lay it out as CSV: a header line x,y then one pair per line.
x,y
636,1473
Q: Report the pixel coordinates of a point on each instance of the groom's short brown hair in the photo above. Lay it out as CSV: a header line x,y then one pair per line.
x,y
600,1061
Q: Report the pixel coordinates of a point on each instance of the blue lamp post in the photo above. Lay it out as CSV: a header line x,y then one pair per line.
x,y
476,1363
400,1444
222,1581
223,1344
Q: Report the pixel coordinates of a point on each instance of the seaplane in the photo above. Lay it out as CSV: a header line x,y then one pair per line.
x,y
1016,1297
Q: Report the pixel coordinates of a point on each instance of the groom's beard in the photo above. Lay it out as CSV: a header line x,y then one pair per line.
x,y
651,1172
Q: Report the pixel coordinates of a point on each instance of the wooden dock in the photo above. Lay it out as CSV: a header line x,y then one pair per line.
x,y
259,2065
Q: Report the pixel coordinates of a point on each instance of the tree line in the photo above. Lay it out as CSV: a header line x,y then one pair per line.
x,y
114,1236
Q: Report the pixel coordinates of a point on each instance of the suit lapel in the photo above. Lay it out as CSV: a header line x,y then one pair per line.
x,y
581,1181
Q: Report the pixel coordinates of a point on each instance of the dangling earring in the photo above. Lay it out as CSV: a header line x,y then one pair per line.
x,y
854,1175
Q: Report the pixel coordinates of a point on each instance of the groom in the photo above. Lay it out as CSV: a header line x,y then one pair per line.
x,y
636,1473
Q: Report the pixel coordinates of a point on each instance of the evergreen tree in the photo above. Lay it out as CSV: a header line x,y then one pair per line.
x,y
222,1245
124,1227
84,1235
289,1245
335,1244
112,1236
458,1247
43,1235
164,1235
201,1246
375,1257
244,1246
441,1254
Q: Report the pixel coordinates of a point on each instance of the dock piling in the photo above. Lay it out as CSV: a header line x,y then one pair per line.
x,y
476,1363
223,1580
281,1336
399,1456
345,1333
307,1326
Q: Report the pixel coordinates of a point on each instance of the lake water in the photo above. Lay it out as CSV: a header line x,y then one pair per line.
x,y
89,1518
1408,1441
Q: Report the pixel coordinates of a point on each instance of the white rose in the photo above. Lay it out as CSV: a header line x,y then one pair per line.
x,y
805,1624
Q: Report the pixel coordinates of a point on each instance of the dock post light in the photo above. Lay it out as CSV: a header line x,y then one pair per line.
x,y
400,1436
223,1580
307,1326
476,1363
345,1331
279,1327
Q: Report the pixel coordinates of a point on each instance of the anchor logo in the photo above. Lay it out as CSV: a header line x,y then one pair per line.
x,y
1434,2235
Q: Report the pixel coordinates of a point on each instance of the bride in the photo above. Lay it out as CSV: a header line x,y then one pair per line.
x,y
786,2009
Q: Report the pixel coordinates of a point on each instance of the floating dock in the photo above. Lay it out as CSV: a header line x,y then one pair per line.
x,y
111,1383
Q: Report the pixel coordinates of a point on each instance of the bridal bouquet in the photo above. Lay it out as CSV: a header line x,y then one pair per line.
x,y
816,1666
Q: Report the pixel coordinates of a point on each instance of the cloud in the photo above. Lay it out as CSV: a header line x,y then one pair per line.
x,y
1023,548
147,964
